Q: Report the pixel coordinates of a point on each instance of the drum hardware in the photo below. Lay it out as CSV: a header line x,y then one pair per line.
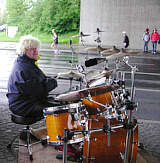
x,y
130,107
98,39
81,35
70,44
98,31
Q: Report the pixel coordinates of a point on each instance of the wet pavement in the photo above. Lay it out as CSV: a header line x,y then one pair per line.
x,y
147,92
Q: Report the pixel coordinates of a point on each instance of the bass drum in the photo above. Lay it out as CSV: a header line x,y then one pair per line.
x,y
93,108
96,150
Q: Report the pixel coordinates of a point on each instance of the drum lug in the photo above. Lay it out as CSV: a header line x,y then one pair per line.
x,y
58,137
94,139
122,155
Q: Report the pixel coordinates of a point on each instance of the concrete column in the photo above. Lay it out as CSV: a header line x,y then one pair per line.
x,y
115,16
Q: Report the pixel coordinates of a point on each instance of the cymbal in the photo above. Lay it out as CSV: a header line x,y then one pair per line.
x,y
104,73
97,49
98,31
78,95
89,75
70,74
111,51
121,54
81,35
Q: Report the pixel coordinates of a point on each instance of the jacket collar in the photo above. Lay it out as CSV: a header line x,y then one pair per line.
x,y
26,58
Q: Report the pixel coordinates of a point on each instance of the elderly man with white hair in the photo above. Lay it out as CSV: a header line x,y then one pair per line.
x,y
28,86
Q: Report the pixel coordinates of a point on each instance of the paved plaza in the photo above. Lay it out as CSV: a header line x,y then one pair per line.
x,y
148,112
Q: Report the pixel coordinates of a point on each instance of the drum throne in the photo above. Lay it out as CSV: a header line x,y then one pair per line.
x,y
27,121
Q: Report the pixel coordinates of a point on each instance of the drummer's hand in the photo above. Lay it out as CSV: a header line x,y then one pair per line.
x,y
55,77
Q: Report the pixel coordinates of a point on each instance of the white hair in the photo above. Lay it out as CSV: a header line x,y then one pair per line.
x,y
27,42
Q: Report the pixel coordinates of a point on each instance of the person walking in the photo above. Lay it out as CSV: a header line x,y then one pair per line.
x,y
154,38
146,39
55,41
125,39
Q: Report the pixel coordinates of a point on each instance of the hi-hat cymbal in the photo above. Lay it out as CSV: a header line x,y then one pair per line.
x,y
111,51
78,95
81,35
70,74
96,49
121,54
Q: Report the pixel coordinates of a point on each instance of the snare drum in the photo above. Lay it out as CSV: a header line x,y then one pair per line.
x,y
96,150
59,118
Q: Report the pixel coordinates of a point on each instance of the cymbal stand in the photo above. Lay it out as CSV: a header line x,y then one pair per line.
x,y
130,107
82,42
115,73
70,43
82,70
98,40
65,140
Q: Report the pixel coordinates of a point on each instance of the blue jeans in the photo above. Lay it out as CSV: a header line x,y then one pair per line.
x,y
154,43
145,46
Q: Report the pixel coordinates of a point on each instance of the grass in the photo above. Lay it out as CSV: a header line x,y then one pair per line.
x,y
43,37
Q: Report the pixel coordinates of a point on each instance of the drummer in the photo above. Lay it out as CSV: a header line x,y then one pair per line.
x,y
28,86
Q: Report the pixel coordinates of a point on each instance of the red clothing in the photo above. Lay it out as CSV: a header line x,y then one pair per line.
x,y
155,36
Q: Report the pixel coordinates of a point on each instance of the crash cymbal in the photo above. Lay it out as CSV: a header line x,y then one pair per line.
x,y
70,74
81,35
121,54
78,95
96,49
111,51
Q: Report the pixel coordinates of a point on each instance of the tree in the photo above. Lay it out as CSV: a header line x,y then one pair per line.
x,y
43,15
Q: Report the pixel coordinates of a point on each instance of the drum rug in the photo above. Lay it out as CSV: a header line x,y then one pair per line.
x,y
41,153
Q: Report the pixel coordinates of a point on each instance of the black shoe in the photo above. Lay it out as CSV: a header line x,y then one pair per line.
x,y
69,157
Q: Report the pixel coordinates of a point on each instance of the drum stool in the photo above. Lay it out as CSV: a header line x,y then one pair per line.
x,y
25,121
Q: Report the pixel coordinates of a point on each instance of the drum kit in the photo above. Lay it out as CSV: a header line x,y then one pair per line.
x,y
99,117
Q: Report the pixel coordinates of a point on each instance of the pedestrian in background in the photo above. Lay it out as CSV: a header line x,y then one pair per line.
x,y
125,39
146,39
55,41
154,38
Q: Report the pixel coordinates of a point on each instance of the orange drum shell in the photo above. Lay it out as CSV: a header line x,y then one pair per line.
x,y
99,152
102,98
56,124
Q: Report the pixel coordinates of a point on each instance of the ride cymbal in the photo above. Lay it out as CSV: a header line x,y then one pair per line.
x,y
78,95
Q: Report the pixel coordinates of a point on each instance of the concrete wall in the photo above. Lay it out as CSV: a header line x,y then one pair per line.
x,y
115,16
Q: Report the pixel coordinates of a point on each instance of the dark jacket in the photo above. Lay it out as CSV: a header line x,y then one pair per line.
x,y
27,86
126,41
